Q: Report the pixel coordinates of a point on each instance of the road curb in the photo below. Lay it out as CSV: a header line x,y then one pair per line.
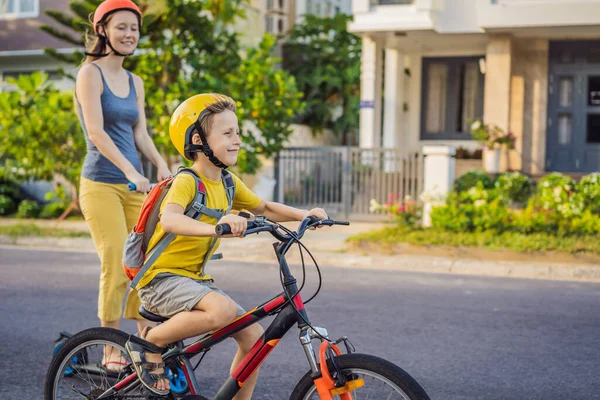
x,y
260,250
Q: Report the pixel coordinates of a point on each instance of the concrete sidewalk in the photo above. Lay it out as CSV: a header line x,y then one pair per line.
x,y
328,247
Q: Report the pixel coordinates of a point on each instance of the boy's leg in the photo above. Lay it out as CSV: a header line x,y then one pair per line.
x,y
214,311
246,340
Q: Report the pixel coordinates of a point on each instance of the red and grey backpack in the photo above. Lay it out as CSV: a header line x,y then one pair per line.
x,y
137,258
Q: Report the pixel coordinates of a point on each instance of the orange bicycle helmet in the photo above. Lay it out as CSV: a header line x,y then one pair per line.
x,y
108,7
103,10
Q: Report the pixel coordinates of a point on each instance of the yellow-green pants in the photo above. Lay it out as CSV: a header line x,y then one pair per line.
x,y
111,211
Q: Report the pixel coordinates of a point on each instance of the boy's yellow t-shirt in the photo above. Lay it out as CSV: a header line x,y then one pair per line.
x,y
185,254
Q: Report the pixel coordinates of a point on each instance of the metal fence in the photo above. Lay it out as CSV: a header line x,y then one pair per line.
x,y
391,2
344,180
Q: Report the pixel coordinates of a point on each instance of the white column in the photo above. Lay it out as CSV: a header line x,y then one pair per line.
x,y
392,105
370,94
360,6
438,177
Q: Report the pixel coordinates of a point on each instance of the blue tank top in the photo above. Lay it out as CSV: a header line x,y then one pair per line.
x,y
120,116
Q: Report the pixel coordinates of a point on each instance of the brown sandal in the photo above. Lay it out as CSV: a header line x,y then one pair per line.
x,y
148,372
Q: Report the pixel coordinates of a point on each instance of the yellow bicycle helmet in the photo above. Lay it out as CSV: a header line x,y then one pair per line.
x,y
186,119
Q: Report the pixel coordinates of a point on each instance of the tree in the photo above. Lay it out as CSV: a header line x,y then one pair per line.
x,y
190,47
325,60
39,133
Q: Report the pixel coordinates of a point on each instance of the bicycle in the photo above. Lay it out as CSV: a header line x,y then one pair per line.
x,y
332,374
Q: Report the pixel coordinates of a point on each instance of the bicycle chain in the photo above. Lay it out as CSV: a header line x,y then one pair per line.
x,y
118,396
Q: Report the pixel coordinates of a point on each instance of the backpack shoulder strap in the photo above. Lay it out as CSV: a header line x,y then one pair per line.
x,y
194,210
229,184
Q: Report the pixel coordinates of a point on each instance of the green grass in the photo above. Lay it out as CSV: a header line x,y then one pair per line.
x,y
18,230
519,242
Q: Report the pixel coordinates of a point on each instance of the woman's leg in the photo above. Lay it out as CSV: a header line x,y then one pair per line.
x,y
132,204
103,211
102,207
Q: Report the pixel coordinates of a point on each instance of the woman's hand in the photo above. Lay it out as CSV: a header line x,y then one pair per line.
x,y
142,184
163,172
237,224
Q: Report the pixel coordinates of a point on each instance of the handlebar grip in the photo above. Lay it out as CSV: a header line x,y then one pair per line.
x,y
225,229
222,229
131,186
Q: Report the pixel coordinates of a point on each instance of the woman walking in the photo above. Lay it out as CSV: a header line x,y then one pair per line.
x,y
110,105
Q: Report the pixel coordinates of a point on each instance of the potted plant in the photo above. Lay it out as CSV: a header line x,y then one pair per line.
x,y
493,139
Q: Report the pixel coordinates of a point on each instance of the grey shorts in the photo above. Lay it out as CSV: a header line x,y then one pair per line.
x,y
169,294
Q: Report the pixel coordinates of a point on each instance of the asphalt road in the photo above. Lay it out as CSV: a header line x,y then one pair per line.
x,y
460,337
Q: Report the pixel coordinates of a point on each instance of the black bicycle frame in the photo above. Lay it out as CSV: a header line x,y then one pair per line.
x,y
289,313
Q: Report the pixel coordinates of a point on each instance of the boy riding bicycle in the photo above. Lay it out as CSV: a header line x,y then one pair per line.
x,y
204,129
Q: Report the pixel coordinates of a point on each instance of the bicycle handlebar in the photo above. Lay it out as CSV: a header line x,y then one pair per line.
x,y
260,225
131,186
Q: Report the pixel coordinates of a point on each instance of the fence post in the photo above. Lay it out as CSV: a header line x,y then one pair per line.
x,y
438,177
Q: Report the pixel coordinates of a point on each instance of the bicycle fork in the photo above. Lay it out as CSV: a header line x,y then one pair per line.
x,y
307,335
327,384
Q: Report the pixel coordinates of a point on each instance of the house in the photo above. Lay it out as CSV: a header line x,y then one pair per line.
x,y
531,67
22,42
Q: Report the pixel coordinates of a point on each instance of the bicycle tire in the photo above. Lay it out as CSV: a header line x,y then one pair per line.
x,y
109,335
374,365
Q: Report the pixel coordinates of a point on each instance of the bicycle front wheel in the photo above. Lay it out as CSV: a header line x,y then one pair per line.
x,y
383,380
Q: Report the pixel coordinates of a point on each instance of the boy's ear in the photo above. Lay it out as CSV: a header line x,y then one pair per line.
x,y
196,139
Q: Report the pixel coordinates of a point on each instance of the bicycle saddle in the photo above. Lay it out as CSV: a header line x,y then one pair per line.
x,y
151,317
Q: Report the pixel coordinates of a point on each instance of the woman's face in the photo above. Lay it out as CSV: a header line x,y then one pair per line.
x,y
123,31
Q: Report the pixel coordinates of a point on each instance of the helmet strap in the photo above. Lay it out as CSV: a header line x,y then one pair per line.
x,y
204,148
105,37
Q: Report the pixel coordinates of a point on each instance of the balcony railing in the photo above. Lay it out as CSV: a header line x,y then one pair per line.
x,y
390,2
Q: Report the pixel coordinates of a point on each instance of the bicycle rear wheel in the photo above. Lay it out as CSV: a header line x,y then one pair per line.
x,y
77,372
383,380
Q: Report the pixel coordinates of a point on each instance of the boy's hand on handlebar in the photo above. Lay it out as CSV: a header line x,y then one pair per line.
x,y
317,213
236,223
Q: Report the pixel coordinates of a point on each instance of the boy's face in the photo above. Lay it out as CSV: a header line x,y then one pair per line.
x,y
224,137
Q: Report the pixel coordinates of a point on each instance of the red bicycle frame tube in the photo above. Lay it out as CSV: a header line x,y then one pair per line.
x,y
285,320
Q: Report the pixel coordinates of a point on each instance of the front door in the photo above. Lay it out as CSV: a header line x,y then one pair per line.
x,y
573,135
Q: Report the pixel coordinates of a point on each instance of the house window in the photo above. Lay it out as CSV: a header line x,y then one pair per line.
x,y
452,97
10,9
269,24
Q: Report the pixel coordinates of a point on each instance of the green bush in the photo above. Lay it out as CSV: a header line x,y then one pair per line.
x,y
588,189
556,193
53,210
470,179
28,209
453,217
586,224
7,205
10,189
515,186
477,195
491,216
536,220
